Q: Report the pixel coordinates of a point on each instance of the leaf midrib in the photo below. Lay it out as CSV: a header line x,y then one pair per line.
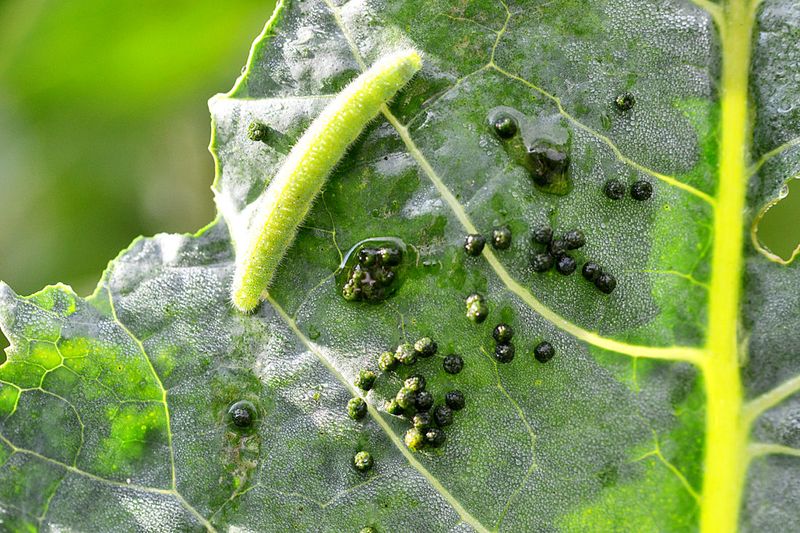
x,y
727,432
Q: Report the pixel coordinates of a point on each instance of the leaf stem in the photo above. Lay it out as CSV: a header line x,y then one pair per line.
x,y
726,431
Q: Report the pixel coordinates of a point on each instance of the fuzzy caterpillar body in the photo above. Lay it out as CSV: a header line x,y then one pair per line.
x,y
284,205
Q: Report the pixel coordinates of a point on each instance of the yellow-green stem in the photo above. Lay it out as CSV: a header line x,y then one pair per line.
x,y
726,433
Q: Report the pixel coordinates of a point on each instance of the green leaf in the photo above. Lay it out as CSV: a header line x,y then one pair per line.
x,y
669,405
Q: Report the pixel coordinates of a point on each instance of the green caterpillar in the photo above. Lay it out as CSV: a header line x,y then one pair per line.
x,y
286,202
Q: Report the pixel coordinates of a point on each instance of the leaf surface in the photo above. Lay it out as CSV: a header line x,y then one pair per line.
x,y
113,408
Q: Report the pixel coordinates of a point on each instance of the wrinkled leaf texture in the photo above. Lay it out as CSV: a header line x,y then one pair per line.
x,y
113,407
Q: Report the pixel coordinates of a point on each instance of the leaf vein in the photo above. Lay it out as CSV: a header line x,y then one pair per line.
x,y
373,412
775,152
673,353
531,435
167,415
761,404
670,180
759,449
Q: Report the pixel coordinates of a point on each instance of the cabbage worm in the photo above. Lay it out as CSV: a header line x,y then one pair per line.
x,y
283,206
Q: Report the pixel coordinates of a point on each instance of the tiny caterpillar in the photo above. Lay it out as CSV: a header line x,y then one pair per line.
x,y
283,206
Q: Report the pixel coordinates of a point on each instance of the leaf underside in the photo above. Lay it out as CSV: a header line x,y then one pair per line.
x,y
113,407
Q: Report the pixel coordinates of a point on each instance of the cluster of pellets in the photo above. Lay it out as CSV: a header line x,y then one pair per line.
x,y
554,252
413,401
474,243
371,279
504,349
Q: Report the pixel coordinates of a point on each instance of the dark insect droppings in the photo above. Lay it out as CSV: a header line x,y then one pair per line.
x,y
641,190
453,364
241,418
474,298
566,265
366,379
625,101
393,408
614,189
257,131
416,383
387,361
390,256
557,247
504,352
473,244
356,408
425,347
591,270
435,437
542,235
406,354
501,238
443,415
368,257
502,333
575,239
544,351
455,400
542,262
606,282
421,421
477,310
242,414
547,163
363,461
405,398
414,439
505,127
423,401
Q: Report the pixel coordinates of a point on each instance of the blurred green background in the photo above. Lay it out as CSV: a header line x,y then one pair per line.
x,y
104,128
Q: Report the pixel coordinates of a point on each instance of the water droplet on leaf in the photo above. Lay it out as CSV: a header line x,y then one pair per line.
x,y
373,270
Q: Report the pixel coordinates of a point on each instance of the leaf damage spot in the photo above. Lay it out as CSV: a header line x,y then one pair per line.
x,y
775,231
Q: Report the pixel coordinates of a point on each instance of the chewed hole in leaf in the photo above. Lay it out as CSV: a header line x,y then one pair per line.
x,y
776,232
